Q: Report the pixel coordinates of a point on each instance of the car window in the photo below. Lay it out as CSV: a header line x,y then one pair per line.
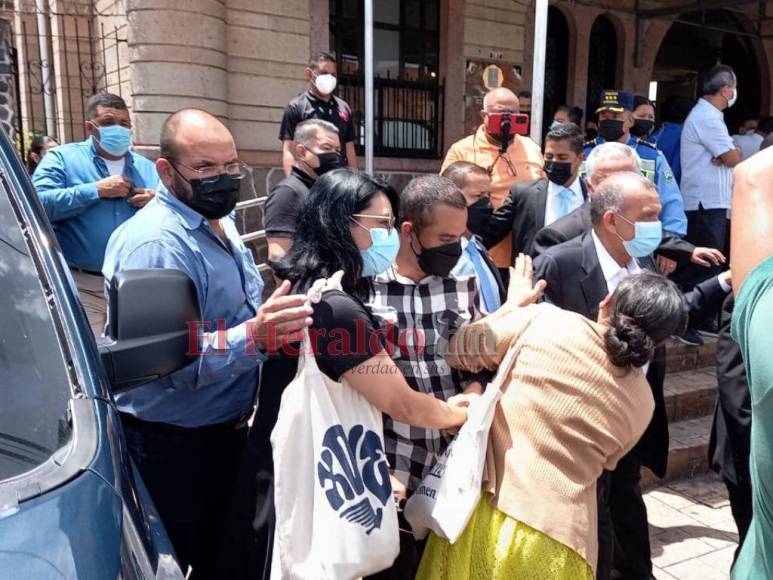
x,y
34,384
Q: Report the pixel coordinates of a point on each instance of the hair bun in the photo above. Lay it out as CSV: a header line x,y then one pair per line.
x,y
627,343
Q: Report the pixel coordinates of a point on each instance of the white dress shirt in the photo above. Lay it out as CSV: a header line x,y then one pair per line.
x,y
612,271
553,203
705,137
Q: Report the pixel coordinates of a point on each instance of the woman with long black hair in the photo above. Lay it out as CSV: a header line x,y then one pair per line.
x,y
347,224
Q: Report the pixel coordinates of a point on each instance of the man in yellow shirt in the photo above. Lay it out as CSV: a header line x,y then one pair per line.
x,y
520,161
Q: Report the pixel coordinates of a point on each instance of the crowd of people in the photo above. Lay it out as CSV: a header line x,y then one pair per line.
x,y
590,253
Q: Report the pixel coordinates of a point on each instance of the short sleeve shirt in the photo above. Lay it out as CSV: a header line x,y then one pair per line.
x,y
343,333
752,321
284,204
307,106
705,137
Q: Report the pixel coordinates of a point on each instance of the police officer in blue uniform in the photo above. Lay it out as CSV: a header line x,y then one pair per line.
x,y
615,122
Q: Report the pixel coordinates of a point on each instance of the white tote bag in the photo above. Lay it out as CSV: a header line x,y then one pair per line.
x,y
448,494
335,514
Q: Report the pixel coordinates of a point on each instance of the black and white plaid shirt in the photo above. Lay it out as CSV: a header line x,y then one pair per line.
x,y
426,315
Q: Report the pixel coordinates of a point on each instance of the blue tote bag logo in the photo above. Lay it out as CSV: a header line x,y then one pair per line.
x,y
353,471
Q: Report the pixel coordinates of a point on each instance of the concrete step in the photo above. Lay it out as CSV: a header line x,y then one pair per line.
x,y
680,357
690,394
688,450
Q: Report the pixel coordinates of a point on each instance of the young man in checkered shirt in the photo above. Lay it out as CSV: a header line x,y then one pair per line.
x,y
427,304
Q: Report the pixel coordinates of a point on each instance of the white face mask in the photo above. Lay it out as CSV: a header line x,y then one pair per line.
x,y
733,99
325,84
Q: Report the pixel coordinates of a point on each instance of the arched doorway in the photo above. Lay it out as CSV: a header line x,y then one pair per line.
x,y
696,42
556,64
602,62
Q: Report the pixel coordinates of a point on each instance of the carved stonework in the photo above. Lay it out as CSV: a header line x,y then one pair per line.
x,y
7,92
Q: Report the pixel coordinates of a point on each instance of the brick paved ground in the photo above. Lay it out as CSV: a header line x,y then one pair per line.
x,y
691,529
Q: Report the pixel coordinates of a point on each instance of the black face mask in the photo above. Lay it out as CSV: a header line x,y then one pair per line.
x,y
440,260
611,129
328,161
559,172
642,127
213,199
591,134
479,214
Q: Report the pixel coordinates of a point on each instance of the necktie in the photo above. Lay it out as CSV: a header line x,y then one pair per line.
x,y
564,198
490,296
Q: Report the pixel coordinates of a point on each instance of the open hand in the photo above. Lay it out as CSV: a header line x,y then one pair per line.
x,y
707,256
281,319
522,291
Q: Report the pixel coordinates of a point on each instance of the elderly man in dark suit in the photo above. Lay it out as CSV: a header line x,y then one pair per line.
x,y
535,204
580,273
603,161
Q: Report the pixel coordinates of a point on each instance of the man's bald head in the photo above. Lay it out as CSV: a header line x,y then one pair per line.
x,y
186,130
194,144
500,100
625,193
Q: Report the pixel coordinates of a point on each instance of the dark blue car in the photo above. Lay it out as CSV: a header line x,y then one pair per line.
x,y
71,503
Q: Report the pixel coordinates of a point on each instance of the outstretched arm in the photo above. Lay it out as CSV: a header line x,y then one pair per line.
x,y
751,239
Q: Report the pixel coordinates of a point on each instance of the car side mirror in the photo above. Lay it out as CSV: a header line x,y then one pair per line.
x,y
149,314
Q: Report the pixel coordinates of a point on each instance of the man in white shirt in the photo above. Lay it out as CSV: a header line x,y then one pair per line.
x,y
708,155
749,138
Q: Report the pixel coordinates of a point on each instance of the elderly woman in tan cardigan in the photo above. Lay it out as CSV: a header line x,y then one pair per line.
x,y
576,402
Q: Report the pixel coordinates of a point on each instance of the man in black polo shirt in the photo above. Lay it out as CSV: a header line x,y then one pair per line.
x,y
316,150
318,102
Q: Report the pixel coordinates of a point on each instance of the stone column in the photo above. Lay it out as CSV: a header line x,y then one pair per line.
x,y
177,58
7,88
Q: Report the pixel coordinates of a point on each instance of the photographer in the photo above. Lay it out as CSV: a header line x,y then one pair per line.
x,y
500,146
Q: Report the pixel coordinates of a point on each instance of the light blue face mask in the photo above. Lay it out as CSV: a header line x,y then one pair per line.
x,y
647,237
382,251
115,140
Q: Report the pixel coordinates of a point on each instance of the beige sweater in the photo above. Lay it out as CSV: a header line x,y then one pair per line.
x,y
565,415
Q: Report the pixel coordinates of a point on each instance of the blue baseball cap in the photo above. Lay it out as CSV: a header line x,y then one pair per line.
x,y
615,101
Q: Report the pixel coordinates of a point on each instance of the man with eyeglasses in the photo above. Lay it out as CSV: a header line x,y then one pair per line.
x,y
186,432
91,187
521,160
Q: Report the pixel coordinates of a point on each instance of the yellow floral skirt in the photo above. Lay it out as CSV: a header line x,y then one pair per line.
x,y
494,546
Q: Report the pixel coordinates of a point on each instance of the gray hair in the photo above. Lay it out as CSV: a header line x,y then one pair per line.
x,y
607,151
718,77
610,194
307,131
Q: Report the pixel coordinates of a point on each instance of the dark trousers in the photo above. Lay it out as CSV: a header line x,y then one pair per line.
x,y
407,562
188,473
632,557
705,228
248,540
741,506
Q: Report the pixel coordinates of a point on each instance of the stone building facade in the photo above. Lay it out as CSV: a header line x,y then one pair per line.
x,y
243,60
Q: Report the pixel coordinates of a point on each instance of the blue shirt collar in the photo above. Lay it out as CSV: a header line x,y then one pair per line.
x,y
191,219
